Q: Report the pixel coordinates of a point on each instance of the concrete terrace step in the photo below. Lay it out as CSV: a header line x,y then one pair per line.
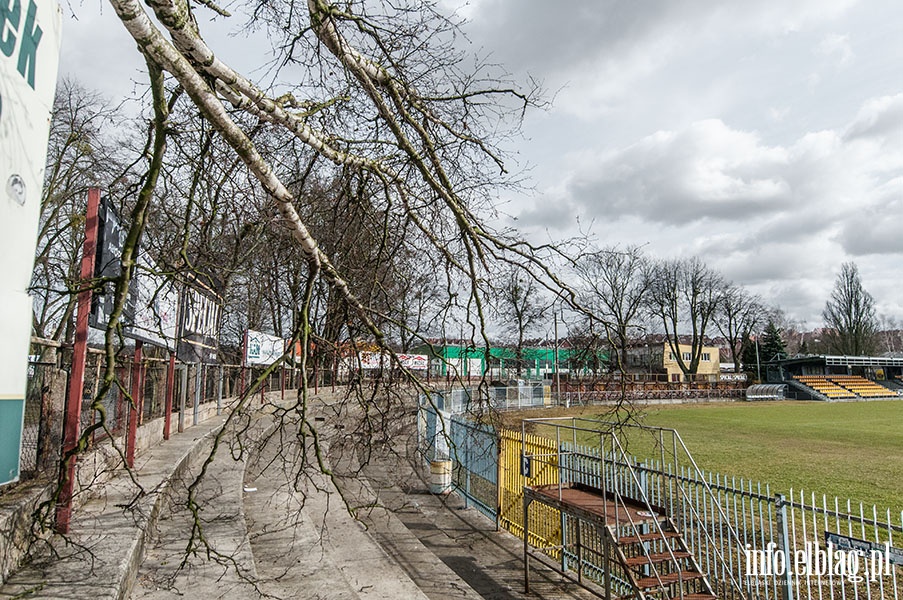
x,y
222,567
107,540
119,553
307,545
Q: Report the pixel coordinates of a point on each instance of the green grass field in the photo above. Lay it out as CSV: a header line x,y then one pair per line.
x,y
850,450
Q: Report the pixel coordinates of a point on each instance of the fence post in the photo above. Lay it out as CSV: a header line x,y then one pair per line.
x,y
526,545
781,506
134,406
77,373
197,394
219,392
467,464
241,369
170,389
182,397
499,457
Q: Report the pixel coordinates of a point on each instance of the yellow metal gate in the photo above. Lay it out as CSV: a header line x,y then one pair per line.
x,y
545,522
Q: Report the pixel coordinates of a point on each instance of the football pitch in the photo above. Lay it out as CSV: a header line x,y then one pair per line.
x,y
852,450
846,449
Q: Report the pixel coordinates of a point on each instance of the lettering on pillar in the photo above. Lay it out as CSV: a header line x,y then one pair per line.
x,y
19,38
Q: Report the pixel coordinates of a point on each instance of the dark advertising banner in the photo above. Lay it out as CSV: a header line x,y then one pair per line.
x,y
107,262
201,315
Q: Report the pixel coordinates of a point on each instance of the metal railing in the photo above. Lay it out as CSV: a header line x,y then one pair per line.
x,y
736,527
615,473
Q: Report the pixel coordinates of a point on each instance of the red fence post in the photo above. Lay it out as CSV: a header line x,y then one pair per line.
x,y
77,375
335,368
170,389
134,407
121,375
204,371
142,375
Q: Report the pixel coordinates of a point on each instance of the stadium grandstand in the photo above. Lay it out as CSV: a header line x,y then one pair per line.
x,y
839,378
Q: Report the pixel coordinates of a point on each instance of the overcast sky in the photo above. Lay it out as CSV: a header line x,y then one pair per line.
x,y
764,136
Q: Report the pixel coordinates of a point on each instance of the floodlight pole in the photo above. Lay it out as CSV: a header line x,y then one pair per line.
x,y
557,374
758,364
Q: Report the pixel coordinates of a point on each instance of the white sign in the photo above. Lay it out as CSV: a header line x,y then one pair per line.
x,y
414,362
375,360
154,306
29,57
733,376
263,349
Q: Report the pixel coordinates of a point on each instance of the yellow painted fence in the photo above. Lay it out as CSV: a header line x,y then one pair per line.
x,y
545,522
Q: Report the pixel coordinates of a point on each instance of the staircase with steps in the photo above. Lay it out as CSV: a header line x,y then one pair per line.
x,y
658,564
629,528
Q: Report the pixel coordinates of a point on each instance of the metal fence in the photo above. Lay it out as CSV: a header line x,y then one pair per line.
x,y
585,398
532,395
193,385
40,441
792,546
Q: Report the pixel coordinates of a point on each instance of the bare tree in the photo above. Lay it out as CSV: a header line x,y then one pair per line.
x,y
520,306
890,335
737,316
616,283
388,124
82,152
684,295
850,319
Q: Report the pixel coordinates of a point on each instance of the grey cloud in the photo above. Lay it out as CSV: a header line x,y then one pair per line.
x,y
545,36
707,172
548,214
558,39
879,117
875,225
799,300
769,263
874,232
782,227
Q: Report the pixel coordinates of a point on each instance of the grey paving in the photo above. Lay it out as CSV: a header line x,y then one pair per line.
x,y
486,560
108,533
208,553
276,526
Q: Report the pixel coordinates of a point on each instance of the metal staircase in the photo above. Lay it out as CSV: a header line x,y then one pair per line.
x,y
658,564
654,539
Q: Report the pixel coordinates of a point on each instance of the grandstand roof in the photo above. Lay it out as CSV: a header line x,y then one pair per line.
x,y
846,361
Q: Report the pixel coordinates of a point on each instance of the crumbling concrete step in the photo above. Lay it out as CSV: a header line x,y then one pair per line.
x,y
98,559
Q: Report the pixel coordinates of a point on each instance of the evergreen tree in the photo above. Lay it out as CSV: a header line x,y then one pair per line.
x,y
748,355
771,344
